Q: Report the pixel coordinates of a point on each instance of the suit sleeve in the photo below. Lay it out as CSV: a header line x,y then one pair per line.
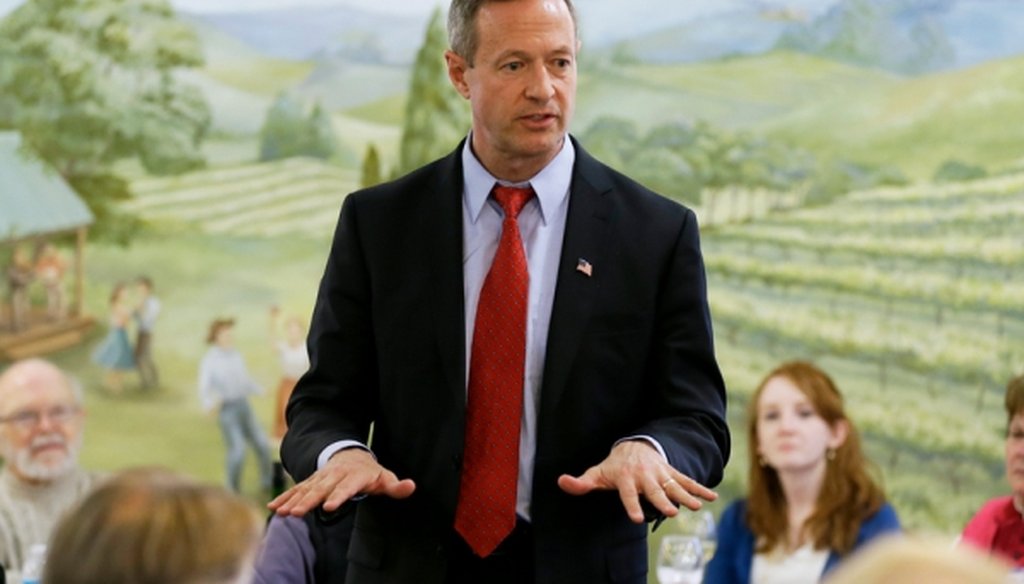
x,y
688,403
335,399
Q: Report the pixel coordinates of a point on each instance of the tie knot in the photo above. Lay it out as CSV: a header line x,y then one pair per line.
x,y
512,199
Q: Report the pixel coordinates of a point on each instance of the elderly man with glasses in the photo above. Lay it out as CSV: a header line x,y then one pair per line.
x,y
41,421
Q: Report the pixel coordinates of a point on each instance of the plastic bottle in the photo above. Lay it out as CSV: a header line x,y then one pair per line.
x,y
32,571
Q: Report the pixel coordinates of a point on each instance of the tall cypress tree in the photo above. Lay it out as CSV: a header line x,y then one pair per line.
x,y
436,116
371,167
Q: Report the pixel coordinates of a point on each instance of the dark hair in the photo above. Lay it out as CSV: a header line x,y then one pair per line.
x,y
116,291
848,495
1014,398
216,326
462,34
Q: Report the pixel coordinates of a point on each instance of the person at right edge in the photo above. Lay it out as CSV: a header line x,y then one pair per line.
x,y
526,329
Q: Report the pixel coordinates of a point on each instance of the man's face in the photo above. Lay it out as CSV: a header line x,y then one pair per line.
x,y
41,432
521,86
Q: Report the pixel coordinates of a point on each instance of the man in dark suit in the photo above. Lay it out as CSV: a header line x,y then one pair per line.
x,y
527,332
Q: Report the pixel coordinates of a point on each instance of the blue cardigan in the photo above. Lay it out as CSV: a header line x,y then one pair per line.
x,y
734,555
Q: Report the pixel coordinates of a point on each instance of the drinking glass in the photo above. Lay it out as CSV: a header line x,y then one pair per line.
x,y
702,525
680,560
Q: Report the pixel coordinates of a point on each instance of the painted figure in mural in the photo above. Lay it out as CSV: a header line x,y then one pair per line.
x,y
20,274
115,353
41,423
50,268
146,313
224,387
290,346
999,526
156,527
539,383
812,500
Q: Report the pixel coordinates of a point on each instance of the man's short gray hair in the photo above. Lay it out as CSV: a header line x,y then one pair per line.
x,y
462,34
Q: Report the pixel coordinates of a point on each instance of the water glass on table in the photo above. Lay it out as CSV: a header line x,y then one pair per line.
x,y
680,560
701,524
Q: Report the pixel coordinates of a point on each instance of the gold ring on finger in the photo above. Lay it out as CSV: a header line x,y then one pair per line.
x,y
665,484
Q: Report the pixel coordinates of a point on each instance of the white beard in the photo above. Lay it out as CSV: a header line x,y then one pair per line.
x,y
27,466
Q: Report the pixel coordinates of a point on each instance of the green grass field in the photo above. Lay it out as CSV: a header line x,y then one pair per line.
x,y
197,278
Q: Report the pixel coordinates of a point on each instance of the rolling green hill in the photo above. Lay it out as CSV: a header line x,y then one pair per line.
x,y
920,122
732,93
837,110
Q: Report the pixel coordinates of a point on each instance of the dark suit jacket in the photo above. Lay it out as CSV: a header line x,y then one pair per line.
x,y
629,352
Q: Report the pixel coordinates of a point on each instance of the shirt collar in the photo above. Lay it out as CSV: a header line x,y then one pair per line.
x,y
551,184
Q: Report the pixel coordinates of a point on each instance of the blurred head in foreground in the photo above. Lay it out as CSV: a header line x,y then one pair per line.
x,y
907,560
157,527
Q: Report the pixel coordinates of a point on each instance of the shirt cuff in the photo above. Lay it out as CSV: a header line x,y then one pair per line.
x,y
645,438
336,447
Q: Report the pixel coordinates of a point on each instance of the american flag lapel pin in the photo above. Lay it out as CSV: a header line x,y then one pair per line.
x,y
584,267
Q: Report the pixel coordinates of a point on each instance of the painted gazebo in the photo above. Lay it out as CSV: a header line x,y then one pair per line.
x,y
38,207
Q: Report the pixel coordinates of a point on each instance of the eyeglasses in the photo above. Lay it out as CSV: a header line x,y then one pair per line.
x,y
30,419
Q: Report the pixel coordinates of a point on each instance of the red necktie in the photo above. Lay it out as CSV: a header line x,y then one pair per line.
x,y
486,512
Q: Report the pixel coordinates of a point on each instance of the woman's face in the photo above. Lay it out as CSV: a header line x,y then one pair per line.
x,y
791,436
1015,455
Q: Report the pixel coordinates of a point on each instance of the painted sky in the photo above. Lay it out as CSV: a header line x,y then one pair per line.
x,y
694,7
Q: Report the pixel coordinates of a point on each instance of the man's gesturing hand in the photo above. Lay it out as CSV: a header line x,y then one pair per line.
x,y
635,468
348,473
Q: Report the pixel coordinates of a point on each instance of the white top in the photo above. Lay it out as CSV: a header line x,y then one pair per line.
x,y
223,377
294,359
801,566
147,313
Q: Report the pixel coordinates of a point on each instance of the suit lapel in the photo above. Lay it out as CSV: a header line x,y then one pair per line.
x,y
445,256
585,239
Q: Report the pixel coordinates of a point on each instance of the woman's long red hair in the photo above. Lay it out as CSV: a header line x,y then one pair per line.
x,y
848,495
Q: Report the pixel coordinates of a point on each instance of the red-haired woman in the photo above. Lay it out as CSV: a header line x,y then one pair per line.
x,y
812,500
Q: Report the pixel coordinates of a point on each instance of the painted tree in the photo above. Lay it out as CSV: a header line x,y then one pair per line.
x,y
436,116
92,83
371,168
285,131
288,131
321,142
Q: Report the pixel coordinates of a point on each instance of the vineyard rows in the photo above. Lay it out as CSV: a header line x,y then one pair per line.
x,y
918,290
296,196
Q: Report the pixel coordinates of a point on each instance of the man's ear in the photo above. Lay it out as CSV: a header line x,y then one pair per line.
x,y
457,67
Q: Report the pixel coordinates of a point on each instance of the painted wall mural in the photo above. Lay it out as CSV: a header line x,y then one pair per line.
x,y
857,167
